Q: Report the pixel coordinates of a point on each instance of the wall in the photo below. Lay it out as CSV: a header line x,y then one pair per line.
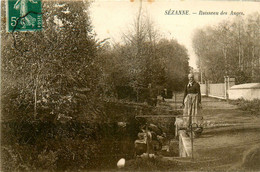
x,y
185,147
246,91
230,91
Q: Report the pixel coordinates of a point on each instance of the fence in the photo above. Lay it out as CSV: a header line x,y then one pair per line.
x,y
228,90
218,90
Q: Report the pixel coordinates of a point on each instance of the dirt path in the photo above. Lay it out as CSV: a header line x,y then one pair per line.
x,y
229,134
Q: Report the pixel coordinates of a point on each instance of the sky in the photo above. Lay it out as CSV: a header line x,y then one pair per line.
x,y
111,18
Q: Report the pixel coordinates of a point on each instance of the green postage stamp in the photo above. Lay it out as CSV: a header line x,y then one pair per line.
x,y
24,15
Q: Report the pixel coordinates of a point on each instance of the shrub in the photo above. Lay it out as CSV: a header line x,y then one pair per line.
x,y
246,105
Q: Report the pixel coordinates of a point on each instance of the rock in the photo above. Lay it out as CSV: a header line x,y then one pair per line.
x,y
121,163
151,155
121,124
144,155
165,148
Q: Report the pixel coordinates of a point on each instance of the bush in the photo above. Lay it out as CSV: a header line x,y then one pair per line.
x,y
72,146
38,145
253,106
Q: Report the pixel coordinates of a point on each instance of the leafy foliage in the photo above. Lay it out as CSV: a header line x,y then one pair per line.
x,y
246,105
72,146
230,49
51,73
145,61
53,82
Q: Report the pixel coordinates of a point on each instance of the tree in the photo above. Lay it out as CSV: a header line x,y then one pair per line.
x,y
162,64
229,49
53,72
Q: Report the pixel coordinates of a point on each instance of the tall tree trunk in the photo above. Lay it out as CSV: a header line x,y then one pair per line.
x,y
252,63
224,50
240,65
239,55
36,82
242,59
138,30
35,98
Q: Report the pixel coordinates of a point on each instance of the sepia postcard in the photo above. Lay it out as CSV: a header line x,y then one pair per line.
x,y
130,85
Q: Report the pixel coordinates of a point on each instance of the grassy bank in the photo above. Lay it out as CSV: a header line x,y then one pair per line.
x,y
252,106
78,144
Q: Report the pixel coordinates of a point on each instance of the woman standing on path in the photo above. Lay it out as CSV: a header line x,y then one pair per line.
x,y
191,103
